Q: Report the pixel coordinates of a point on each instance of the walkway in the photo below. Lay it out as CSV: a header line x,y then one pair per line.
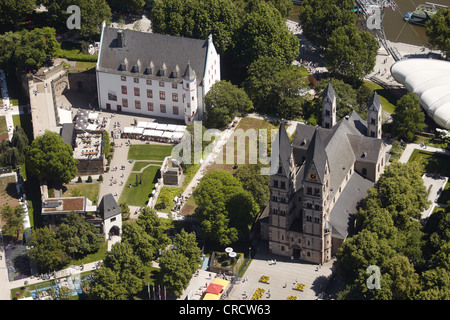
x,y
432,184
225,135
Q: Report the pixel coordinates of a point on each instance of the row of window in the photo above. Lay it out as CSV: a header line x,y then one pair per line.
x,y
149,82
137,93
309,191
282,184
150,106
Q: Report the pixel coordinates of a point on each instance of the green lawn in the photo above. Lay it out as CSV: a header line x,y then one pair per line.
x,y
431,162
138,165
25,121
149,152
388,100
88,190
3,128
139,195
82,66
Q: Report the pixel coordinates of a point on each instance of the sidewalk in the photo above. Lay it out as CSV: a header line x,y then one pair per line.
x,y
6,285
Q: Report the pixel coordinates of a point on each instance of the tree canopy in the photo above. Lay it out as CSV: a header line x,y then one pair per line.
x,y
413,261
47,250
351,54
78,236
28,50
49,157
276,87
223,102
319,18
263,33
14,220
409,118
438,30
225,210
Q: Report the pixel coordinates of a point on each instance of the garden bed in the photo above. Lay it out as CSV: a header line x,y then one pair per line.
x,y
299,287
264,279
257,294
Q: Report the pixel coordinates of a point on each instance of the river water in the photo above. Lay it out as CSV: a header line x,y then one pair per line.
x,y
395,28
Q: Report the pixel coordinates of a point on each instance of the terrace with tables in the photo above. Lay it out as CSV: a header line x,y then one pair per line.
x,y
153,131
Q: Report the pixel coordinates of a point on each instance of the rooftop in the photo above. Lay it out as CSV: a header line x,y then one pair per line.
x,y
135,53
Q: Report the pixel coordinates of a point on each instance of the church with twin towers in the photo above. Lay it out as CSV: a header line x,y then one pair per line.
x,y
322,176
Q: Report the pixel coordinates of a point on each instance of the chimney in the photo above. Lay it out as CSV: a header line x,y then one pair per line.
x,y
120,39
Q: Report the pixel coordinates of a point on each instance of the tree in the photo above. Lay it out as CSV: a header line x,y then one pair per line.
x,y
125,210
107,286
405,281
50,158
151,223
225,210
283,6
127,266
186,245
351,54
93,13
223,102
263,32
14,220
78,236
253,181
175,271
435,285
47,250
140,241
319,18
408,119
291,91
197,19
132,5
438,30
14,12
262,79
359,252
28,50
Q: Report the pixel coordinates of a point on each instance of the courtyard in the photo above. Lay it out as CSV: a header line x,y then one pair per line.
x,y
279,278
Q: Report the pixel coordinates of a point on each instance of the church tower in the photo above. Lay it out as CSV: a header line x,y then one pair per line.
x,y
282,182
374,110
328,107
316,244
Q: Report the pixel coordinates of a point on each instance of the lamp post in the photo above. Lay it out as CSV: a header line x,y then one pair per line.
x,y
249,252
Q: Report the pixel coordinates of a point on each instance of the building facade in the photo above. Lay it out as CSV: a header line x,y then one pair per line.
x,y
322,175
155,75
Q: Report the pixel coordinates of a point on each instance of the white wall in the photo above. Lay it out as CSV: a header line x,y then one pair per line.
x,y
112,83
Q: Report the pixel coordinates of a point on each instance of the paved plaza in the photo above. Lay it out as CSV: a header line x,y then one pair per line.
x,y
284,275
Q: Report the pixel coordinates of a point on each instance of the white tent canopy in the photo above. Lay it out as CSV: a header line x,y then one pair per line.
x,y
93,116
161,126
429,79
133,130
171,127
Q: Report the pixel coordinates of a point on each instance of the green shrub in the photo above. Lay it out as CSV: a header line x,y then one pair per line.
x,y
89,179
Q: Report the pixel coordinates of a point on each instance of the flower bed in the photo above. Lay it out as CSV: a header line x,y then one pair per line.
x,y
291,297
264,279
300,287
257,294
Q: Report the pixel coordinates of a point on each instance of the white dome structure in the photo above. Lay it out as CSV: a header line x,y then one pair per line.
x,y
429,79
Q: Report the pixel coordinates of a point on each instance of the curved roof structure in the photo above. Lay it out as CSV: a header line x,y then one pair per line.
x,y
430,80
